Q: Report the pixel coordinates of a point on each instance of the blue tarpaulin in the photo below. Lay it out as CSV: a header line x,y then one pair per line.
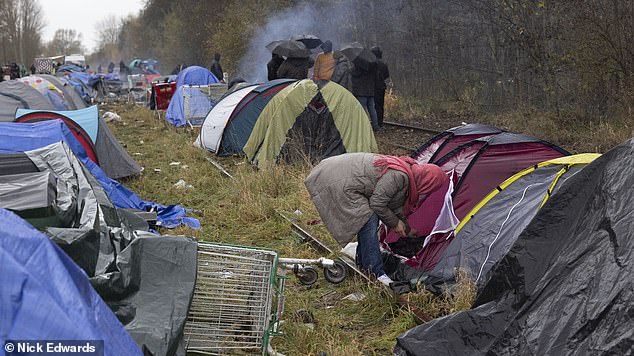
x,y
45,296
16,137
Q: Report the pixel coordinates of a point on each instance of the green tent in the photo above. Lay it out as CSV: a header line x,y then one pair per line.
x,y
310,121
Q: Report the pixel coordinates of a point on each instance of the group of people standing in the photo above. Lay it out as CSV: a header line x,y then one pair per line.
x,y
368,85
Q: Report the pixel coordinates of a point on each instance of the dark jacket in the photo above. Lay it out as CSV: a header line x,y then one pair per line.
x,y
363,80
272,66
216,69
341,74
293,68
382,74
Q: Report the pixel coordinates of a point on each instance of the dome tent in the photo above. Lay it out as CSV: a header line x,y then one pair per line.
x,y
227,129
310,120
564,288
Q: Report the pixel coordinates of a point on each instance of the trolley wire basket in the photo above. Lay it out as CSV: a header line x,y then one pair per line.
x,y
237,302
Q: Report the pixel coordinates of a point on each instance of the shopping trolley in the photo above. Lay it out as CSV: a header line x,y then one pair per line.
x,y
237,303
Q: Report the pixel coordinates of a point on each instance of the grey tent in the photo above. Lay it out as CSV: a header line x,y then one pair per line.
x,y
489,230
71,97
15,94
565,287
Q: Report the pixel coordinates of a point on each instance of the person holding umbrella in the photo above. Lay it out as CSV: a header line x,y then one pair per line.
x,y
363,75
325,63
273,65
382,74
295,66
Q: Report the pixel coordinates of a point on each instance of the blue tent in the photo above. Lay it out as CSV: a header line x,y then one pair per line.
x,y
195,75
87,118
45,296
199,105
16,137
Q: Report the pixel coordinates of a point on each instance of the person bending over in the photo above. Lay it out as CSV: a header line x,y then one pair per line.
x,y
353,191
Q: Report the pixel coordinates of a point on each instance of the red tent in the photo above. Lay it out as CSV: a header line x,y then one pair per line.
x,y
446,141
478,166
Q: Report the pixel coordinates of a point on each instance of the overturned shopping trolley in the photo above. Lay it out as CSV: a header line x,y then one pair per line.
x,y
237,302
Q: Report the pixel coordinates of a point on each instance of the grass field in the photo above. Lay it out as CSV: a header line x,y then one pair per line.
x,y
244,211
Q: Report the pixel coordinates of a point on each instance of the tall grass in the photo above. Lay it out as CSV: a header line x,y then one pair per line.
x,y
244,211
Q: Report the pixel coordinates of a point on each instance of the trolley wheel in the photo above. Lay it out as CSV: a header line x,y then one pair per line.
x,y
337,273
307,275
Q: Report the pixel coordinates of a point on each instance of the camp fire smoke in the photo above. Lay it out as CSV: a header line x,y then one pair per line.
x,y
329,22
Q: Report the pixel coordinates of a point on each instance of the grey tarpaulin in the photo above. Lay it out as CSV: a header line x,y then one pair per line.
x,y
565,287
151,290
27,190
147,280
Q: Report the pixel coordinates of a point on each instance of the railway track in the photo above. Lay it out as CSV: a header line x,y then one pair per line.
x,y
417,128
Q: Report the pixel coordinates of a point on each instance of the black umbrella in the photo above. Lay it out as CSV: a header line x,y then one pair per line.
x,y
290,49
359,55
311,41
271,46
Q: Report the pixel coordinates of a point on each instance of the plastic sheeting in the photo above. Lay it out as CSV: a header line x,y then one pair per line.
x,y
147,280
45,296
25,137
26,190
151,290
565,287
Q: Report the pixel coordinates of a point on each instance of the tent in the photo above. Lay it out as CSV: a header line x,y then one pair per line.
x,y
448,140
310,120
198,104
45,296
73,99
48,89
478,167
215,122
483,163
187,105
147,280
565,287
242,120
16,137
15,94
228,126
488,231
113,159
195,75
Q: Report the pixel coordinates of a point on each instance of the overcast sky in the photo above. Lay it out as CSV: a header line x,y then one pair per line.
x,y
82,15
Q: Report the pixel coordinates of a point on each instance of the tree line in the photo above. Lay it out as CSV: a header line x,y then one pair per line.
x,y
492,55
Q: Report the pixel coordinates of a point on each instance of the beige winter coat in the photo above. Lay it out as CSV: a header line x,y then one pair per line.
x,y
346,190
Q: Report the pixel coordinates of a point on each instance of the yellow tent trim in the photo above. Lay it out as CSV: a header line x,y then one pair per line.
x,y
567,161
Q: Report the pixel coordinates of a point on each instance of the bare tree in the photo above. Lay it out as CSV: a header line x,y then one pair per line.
x,y
108,30
65,41
21,24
